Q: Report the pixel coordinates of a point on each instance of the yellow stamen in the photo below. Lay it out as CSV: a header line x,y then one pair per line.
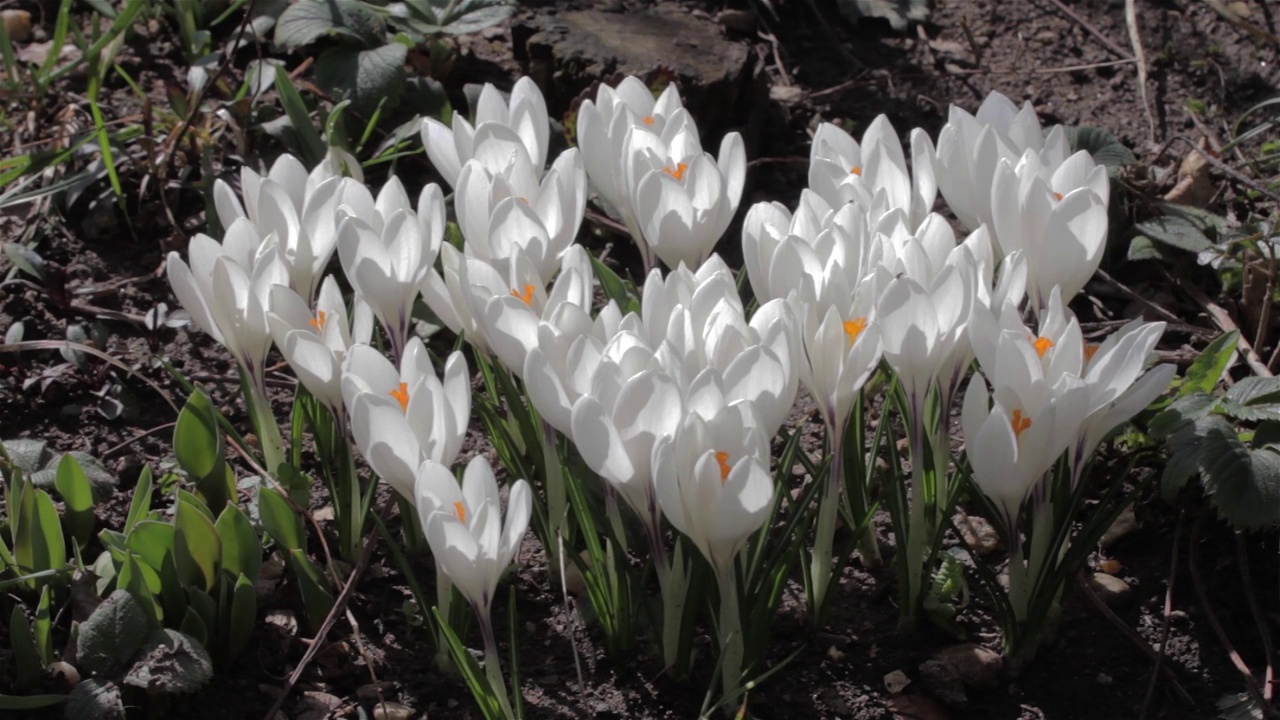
x,y
317,322
722,459
1020,424
1090,350
853,328
460,510
526,296
678,173
1042,345
401,394
648,119
856,170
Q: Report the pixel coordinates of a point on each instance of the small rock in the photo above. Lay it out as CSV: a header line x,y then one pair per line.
x,y
323,514
17,23
1125,523
834,655
392,711
896,681
316,705
1111,589
66,672
916,707
283,622
786,94
975,666
977,533
372,691
943,683
739,21
1105,679
832,700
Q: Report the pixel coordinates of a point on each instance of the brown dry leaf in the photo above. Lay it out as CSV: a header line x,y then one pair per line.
x,y
37,53
1195,187
917,707
17,23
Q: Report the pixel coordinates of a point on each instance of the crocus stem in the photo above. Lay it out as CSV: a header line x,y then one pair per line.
x,y
824,534
860,493
557,499
916,540
444,598
264,420
731,645
492,663
672,587
615,516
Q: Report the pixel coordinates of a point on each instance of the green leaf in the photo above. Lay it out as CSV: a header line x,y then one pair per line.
x,y
29,702
25,259
1105,147
204,605
77,497
241,549
1177,232
1180,413
615,288
1244,484
197,443
313,148
141,503
38,544
316,598
194,626
1141,248
1184,457
365,77
43,628
141,581
898,12
304,22
1253,399
27,454
26,660
110,636
95,700
241,617
197,549
279,520
457,18
1204,373
171,662
152,541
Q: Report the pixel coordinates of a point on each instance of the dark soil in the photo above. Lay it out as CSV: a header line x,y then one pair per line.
x,y
1028,49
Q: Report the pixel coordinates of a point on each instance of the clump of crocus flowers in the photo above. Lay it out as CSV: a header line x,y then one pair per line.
x,y
671,394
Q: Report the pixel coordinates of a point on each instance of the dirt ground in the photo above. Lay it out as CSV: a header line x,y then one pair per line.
x,y
809,65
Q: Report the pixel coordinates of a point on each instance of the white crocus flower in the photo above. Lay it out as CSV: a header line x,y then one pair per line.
x,y
402,416
509,321
523,119
682,201
387,253
558,370
970,148
874,172
920,326
314,343
505,208
602,127
1059,223
841,351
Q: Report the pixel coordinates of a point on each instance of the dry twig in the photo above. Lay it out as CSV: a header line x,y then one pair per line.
x,y
1094,31
1135,39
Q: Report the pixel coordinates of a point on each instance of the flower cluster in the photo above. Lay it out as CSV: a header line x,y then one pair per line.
x,y
673,398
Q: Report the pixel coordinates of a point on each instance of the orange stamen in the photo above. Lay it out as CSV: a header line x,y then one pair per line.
x,y
523,200
853,328
526,296
317,322
460,510
1090,350
401,394
1057,196
856,170
722,459
678,173
1020,424
1042,345
648,119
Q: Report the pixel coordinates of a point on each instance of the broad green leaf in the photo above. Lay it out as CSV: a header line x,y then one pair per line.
x,y
43,628
1244,483
197,547
102,481
306,21
1253,399
457,18
1204,373
26,660
241,549
241,617
279,520
1184,444
1101,144
77,497
194,501
367,78
192,625
170,662
1180,413
110,636
152,541
94,699
204,605
25,259
1177,232
38,544
27,453
197,443
316,598
141,581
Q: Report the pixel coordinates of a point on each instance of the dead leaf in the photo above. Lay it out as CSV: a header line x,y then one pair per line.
x,y
17,23
1194,187
37,53
896,681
